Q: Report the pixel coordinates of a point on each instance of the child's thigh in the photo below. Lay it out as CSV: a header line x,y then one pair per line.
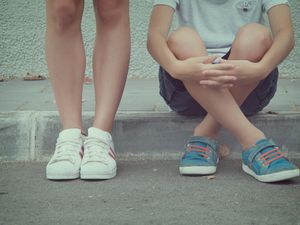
x,y
186,42
251,42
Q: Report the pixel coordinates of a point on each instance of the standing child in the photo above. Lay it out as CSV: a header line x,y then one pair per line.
x,y
242,83
66,63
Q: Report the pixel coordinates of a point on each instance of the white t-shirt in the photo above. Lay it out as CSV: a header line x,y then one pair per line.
x,y
217,21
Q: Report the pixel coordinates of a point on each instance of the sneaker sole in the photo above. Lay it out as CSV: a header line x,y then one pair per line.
x,y
62,176
197,170
274,177
98,176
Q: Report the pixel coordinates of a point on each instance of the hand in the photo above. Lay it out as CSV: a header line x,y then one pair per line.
x,y
245,71
193,68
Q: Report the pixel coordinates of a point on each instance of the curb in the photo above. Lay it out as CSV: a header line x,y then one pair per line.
x,y
31,135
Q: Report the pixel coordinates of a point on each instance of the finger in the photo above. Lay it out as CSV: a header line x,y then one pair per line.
x,y
217,60
218,86
219,81
211,83
224,79
227,85
217,73
223,61
219,66
210,59
220,78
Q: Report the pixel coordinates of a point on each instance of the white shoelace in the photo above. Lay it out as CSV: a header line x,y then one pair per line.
x,y
96,150
66,150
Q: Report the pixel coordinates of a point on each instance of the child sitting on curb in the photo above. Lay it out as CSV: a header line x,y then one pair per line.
x,y
194,81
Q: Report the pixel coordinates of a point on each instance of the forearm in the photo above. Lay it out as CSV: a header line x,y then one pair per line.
x,y
283,37
282,45
159,50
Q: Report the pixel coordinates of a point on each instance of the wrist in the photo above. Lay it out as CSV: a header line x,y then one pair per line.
x,y
175,69
264,69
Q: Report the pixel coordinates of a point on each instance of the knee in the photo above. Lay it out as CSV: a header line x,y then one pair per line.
x,y
181,36
185,42
63,14
111,12
252,41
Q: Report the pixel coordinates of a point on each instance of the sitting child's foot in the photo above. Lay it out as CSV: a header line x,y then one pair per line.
x,y
266,163
200,157
99,157
65,163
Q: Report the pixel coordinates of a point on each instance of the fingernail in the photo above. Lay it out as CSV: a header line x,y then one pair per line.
x,y
217,61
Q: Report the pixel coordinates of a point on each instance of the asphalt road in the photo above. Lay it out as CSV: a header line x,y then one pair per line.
x,y
146,192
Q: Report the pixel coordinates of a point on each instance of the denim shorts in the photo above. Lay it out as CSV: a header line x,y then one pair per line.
x,y
179,100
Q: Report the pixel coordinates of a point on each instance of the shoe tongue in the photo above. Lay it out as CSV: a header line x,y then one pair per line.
x,y
98,133
199,143
72,133
266,141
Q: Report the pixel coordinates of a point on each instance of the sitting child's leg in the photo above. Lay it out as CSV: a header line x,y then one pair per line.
x,y
251,43
223,106
218,102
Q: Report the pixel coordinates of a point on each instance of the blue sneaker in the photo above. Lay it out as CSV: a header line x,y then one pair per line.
x,y
266,163
200,157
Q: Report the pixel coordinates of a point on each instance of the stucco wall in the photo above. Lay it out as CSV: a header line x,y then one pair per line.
x,y
22,25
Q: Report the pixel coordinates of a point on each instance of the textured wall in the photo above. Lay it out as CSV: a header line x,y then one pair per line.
x,y
22,25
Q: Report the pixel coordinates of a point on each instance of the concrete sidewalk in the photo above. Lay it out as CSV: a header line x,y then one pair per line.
x,y
144,128
147,193
139,95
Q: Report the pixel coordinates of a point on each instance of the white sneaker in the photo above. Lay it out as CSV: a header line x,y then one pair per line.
x,y
66,161
99,157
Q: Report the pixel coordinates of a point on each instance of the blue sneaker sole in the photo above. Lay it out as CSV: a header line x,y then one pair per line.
x,y
273,177
197,170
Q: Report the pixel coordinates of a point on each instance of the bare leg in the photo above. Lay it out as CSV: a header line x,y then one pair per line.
x,y
111,58
66,58
226,111
251,43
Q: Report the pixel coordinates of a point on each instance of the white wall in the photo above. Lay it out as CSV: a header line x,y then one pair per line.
x,y
22,25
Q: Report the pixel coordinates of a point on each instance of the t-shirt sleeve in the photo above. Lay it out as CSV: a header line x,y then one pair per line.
x,y
268,4
171,3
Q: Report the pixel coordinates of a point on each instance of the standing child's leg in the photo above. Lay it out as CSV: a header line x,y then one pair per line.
x,y
66,65
111,58
110,65
66,58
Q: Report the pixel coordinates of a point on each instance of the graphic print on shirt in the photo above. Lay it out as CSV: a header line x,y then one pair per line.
x,y
246,9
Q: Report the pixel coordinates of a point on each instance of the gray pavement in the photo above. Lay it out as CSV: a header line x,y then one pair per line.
x,y
146,192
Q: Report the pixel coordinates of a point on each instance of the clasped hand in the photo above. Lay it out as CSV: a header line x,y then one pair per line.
x,y
244,71
224,74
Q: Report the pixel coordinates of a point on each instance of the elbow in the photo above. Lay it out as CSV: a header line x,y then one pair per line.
x,y
149,42
292,42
